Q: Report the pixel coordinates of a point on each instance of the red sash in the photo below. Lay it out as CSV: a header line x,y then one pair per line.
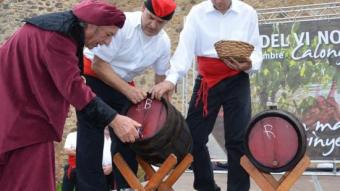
x,y
88,70
71,165
212,70
88,67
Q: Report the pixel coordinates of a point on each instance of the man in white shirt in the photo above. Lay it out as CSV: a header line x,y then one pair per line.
x,y
219,83
110,70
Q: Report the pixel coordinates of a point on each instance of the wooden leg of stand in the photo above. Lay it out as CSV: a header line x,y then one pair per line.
x,y
271,179
157,178
163,187
149,171
176,173
288,182
258,177
283,177
268,183
127,173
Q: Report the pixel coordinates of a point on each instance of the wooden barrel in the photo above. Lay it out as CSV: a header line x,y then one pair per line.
x,y
275,141
164,131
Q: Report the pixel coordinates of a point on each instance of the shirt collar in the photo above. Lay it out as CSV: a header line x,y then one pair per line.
x,y
234,7
138,22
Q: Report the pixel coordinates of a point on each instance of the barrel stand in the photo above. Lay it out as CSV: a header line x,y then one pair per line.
x,y
268,183
155,178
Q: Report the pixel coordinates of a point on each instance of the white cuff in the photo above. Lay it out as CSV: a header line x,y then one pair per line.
x,y
172,78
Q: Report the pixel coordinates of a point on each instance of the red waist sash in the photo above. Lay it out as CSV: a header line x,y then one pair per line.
x,y
88,67
212,70
88,70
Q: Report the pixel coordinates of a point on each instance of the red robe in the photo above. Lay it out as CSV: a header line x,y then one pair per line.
x,y
39,78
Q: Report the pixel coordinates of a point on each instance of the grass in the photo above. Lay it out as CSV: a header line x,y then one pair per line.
x,y
58,187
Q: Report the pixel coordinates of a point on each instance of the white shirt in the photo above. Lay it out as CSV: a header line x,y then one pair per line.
x,y
205,25
71,141
107,157
131,51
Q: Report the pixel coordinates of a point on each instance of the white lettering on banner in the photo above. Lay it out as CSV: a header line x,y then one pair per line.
x,y
317,53
282,40
328,144
274,40
322,127
265,41
302,40
273,55
327,37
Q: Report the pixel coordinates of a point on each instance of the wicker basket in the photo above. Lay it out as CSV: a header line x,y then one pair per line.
x,y
238,50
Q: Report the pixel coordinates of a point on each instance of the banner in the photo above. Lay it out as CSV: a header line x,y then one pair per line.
x,y
301,74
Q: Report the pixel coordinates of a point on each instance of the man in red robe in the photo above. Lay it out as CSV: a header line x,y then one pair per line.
x,y
40,67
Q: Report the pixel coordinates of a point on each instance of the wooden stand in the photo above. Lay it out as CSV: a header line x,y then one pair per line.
x,y
268,183
155,178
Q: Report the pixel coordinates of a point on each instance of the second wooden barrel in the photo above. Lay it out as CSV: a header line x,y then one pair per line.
x,y
275,141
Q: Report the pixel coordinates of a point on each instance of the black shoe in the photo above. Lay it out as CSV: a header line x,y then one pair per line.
x,y
222,165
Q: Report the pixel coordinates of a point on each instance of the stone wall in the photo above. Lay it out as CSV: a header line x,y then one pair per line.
x,y
12,12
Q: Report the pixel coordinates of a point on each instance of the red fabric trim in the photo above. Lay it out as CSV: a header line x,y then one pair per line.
x,y
88,67
72,165
88,70
212,70
164,7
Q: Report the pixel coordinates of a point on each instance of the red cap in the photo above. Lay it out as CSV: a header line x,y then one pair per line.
x,y
98,12
161,8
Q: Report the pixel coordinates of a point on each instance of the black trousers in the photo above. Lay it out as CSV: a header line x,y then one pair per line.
x,y
69,182
110,181
233,94
90,142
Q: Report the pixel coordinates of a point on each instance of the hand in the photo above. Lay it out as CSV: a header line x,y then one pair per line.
x,y
240,66
135,94
125,128
162,88
107,169
168,95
